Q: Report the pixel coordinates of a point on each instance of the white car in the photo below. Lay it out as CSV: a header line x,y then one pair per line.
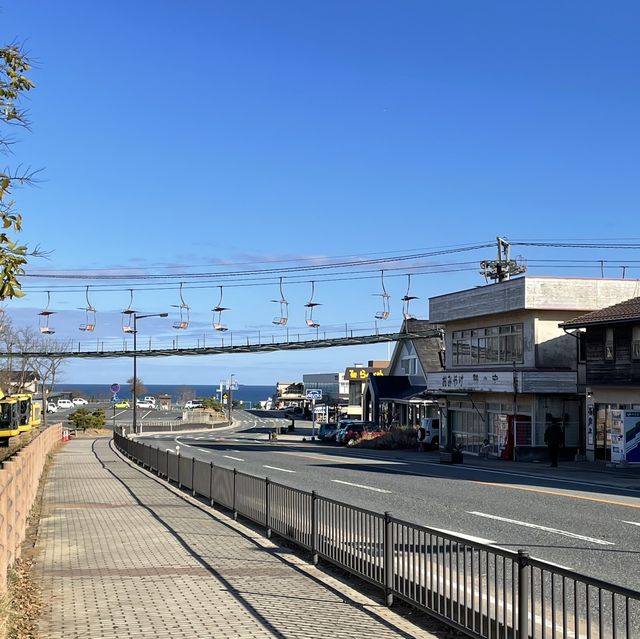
x,y
150,399
193,403
79,401
51,407
65,403
143,403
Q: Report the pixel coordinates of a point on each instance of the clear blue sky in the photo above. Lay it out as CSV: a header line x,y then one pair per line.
x,y
189,135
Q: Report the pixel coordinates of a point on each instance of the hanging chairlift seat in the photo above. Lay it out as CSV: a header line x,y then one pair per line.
x,y
127,327
90,315
283,318
45,314
385,312
219,309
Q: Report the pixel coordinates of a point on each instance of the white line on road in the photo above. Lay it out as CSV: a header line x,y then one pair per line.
x,y
557,531
284,470
234,458
204,450
633,523
348,483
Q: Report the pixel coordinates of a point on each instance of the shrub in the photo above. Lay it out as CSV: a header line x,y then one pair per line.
x,y
389,439
83,419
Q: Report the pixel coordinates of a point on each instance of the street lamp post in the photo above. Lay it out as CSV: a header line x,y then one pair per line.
x,y
134,386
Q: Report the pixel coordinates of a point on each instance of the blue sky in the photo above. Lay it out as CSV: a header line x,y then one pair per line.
x,y
192,136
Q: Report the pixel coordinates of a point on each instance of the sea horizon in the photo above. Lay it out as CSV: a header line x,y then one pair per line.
x,y
178,392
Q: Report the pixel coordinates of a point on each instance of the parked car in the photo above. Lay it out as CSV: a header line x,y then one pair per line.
x,y
343,425
431,427
150,398
353,430
327,432
79,401
193,403
51,407
143,403
65,403
122,403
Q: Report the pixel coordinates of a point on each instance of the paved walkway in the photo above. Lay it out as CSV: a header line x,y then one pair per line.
x,y
121,555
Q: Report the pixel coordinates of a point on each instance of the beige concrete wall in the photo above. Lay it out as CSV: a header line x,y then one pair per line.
x,y
19,480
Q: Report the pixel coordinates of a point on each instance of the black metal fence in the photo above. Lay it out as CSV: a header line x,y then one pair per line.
x,y
484,591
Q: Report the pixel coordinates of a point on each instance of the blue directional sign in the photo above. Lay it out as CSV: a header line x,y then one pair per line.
x,y
313,393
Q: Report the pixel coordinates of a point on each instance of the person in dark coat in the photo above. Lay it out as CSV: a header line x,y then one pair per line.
x,y
554,439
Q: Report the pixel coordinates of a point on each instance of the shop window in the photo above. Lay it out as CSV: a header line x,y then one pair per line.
x,y
608,345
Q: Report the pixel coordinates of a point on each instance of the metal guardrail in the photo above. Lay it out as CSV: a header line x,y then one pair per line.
x,y
485,591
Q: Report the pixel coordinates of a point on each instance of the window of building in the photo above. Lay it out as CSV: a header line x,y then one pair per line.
x,y
635,343
409,365
490,345
608,345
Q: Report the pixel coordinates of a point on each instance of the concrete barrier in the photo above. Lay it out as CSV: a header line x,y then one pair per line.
x,y
19,479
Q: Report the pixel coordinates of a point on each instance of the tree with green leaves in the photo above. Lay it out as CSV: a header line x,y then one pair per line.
x,y
14,64
83,419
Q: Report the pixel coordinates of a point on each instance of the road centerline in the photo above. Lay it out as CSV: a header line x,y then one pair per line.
x,y
284,470
557,531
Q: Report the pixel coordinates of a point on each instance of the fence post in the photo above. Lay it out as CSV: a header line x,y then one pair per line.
x,y
168,475
267,508
178,456
193,476
235,512
212,502
523,594
314,528
388,559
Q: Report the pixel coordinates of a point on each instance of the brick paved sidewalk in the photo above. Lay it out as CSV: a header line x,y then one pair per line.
x,y
120,555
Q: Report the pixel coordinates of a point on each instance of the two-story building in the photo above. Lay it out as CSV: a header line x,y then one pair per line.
x,y
398,398
609,341
511,370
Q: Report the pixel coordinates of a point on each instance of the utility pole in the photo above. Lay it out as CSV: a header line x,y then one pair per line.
x,y
230,399
504,267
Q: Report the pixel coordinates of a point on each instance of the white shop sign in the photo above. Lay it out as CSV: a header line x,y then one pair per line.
x,y
481,381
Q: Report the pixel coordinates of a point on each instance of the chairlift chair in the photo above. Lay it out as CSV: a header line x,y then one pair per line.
x,y
183,307
406,300
90,315
127,315
219,309
384,313
309,306
45,314
283,318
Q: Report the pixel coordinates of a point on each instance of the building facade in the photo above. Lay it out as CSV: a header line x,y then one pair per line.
x,y
511,370
609,351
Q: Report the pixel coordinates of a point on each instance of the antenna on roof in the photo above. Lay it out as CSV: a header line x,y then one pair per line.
x,y
504,267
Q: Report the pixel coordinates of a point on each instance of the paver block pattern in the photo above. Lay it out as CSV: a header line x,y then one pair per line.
x,y
122,556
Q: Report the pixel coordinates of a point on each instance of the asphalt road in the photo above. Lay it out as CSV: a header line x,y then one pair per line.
x,y
585,525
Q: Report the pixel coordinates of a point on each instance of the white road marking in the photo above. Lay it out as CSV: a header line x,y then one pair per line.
x,y
557,531
203,450
234,458
512,474
284,470
633,523
348,483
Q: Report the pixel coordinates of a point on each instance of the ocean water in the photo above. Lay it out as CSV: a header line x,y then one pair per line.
x,y
178,392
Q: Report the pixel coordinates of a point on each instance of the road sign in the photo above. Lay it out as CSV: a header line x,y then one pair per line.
x,y
115,388
313,393
115,399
